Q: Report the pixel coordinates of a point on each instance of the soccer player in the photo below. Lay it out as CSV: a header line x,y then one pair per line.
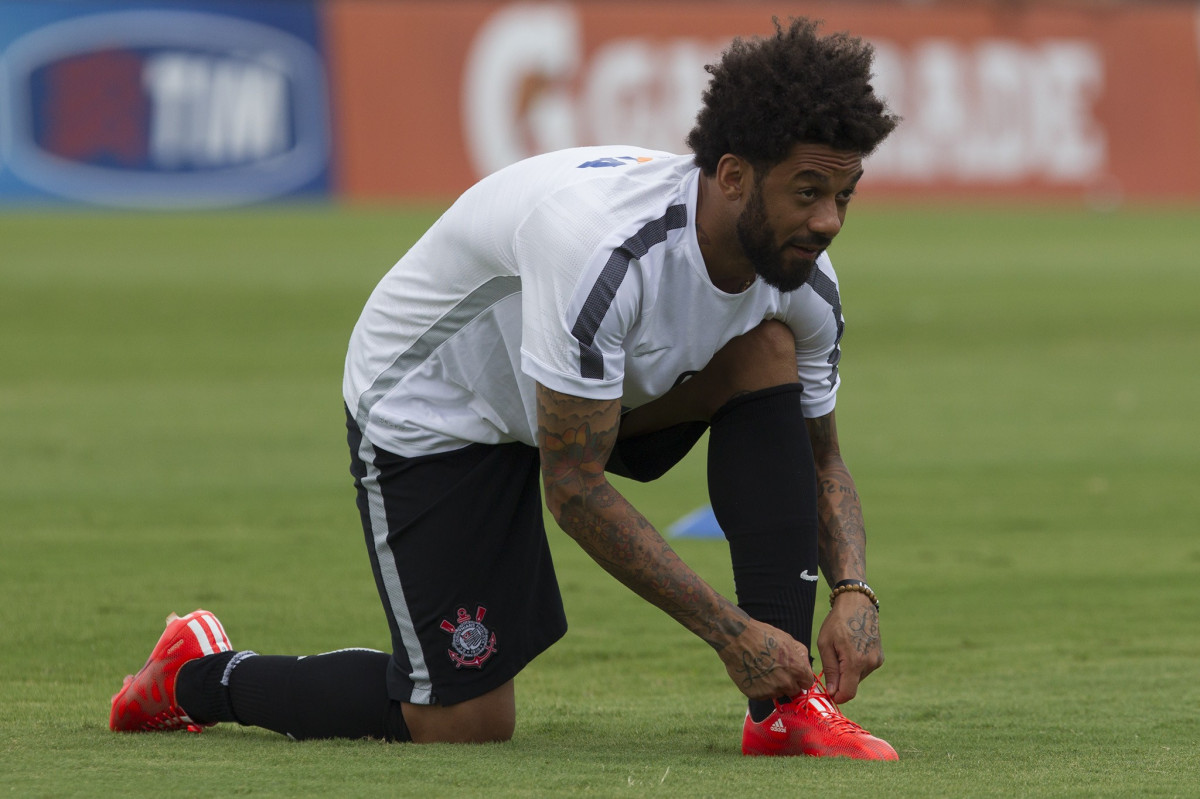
x,y
585,312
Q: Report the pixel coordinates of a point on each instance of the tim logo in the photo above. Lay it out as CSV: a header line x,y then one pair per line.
x,y
151,108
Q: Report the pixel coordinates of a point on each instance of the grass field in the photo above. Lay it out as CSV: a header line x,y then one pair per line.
x,y
1020,409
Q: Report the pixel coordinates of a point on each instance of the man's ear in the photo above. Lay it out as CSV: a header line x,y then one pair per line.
x,y
734,175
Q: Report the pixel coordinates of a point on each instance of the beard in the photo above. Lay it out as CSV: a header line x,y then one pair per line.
x,y
761,245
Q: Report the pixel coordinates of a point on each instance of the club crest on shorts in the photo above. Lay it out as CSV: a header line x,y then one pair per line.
x,y
473,643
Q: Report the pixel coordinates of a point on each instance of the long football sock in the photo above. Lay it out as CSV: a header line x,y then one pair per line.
x,y
762,485
339,694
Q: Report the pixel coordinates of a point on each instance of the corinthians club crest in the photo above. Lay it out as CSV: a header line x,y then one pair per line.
x,y
473,643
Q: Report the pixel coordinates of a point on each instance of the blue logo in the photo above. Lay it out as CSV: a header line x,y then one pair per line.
x,y
154,108
622,160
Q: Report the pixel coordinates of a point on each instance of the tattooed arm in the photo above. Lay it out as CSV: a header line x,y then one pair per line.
x,y
849,638
575,437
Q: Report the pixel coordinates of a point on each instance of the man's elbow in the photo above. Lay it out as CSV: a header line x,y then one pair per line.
x,y
564,504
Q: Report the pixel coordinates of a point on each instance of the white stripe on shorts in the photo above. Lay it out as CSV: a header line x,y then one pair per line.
x,y
422,686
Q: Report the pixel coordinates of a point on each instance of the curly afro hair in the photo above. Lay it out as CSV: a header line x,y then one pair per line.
x,y
767,95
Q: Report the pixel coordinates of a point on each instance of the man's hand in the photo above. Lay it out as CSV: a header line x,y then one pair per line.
x,y
849,645
766,663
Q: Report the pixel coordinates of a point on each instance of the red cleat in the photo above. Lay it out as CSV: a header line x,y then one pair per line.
x,y
146,702
811,724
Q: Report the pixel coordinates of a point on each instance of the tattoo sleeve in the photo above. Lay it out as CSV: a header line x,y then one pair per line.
x,y
575,437
842,544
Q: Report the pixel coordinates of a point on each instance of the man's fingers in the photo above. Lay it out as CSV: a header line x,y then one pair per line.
x,y
807,675
831,667
846,686
833,679
801,671
797,662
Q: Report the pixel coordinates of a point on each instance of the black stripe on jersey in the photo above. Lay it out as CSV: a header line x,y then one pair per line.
x,y
827,290
591,360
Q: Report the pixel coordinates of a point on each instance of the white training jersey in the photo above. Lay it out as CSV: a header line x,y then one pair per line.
x,y
579,270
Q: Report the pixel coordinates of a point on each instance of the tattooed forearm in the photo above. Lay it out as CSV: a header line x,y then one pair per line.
x,y
626,545
843,540
575,437
842,544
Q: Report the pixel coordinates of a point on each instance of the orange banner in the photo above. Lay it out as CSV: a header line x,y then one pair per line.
x,y
1017,102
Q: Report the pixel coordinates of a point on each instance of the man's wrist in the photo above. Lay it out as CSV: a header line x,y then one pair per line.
x,y
853,586
729,624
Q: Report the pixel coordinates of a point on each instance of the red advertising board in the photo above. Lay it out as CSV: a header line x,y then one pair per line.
x,y
1005,101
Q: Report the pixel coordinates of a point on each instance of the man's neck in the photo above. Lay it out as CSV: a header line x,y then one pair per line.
x,y
716,233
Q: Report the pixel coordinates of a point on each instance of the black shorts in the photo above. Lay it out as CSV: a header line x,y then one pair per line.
x,y
461,561
649,457
462,565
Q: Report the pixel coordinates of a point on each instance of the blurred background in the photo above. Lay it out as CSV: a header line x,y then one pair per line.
x,y
215,103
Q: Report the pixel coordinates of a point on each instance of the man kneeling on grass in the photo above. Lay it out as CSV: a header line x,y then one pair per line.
x,y
585,312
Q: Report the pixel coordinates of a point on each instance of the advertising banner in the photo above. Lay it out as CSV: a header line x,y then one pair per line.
x,y
205,103
1099,103
153,105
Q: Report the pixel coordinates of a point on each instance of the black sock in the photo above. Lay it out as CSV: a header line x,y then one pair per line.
x,y
762,484
339,694
199,691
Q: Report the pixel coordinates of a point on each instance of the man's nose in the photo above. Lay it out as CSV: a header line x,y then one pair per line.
x,y
827,219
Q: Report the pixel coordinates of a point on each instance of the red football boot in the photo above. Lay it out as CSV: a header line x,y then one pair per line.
x,y
811,724
146,702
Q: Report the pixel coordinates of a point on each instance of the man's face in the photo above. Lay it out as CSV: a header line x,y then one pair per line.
x,y
794,210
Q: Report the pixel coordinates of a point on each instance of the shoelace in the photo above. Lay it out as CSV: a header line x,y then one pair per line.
x,y
815,701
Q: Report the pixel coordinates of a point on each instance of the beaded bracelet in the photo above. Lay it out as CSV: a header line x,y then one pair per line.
x,y
858,586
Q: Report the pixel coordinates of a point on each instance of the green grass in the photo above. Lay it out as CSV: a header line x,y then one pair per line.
x,y
1019,409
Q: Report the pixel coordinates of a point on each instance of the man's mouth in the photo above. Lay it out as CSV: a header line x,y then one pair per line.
x,y
808,249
